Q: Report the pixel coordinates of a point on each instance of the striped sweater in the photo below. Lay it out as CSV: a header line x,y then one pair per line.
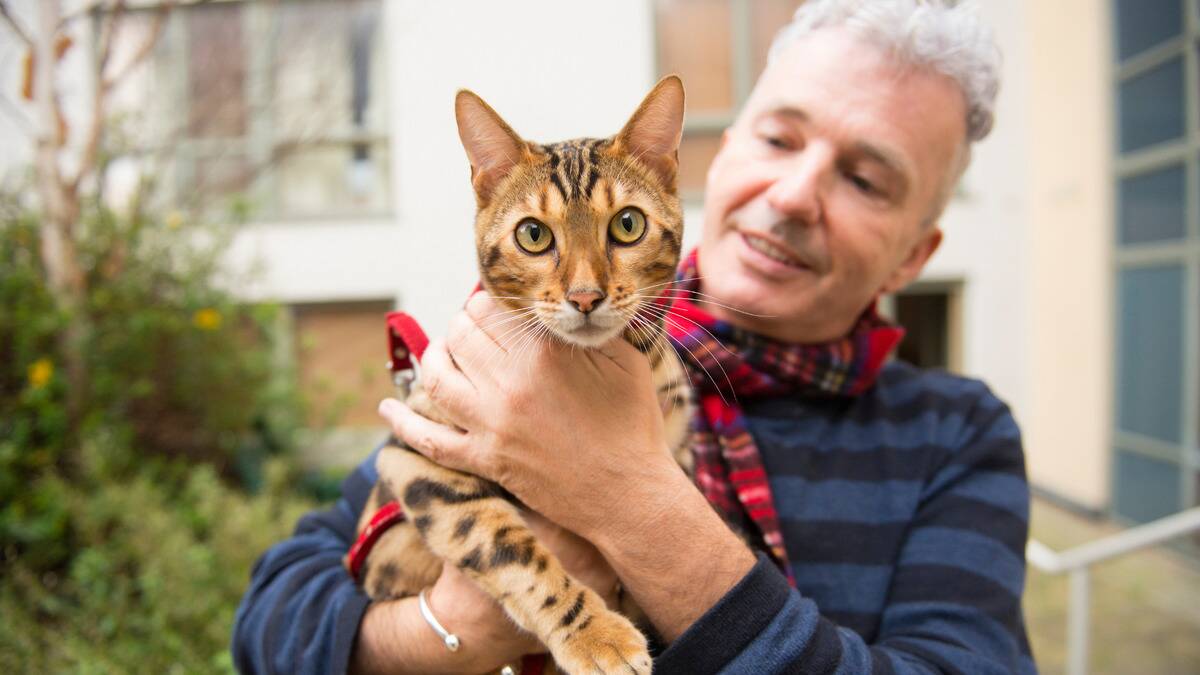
x,y
904,512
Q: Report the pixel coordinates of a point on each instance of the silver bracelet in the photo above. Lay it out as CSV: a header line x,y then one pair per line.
x,y
448,638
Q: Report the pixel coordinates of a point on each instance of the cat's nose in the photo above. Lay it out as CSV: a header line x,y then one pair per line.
x,y
585,301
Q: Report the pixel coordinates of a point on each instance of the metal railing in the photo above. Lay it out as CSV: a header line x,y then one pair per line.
x,y
1076,563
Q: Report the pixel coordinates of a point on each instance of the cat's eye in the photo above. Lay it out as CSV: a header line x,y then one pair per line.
x,y
627,226
533,236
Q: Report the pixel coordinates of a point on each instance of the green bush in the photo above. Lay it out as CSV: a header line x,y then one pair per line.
x,y
156,580
127,534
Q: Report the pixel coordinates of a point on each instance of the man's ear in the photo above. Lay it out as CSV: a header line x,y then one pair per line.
x,y
915,262
652,134
492,146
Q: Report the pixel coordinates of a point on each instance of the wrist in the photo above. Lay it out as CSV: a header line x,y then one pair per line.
x,y
673,553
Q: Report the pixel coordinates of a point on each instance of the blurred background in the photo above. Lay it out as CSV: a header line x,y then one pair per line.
x,y
206,208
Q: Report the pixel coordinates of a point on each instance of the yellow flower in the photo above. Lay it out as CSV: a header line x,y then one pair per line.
x,y
40,372
174,220
206,319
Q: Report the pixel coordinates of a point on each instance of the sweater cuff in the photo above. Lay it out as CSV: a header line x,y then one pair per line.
x,y
729,626
345,631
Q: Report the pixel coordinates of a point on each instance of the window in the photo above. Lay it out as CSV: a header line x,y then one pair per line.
x,y
718,47
931,314
276,106
1156,460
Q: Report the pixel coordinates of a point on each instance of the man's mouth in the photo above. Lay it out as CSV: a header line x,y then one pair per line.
x,y
772,251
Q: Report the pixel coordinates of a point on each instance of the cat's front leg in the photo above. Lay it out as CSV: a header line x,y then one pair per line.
x,y
468,522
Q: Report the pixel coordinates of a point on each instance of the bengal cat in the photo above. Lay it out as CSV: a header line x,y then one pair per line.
x,y
580,236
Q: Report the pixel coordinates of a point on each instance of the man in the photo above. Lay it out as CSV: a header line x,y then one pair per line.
x,y
889,506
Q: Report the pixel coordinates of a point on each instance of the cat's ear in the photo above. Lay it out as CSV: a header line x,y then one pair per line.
x,y
492,146
652,134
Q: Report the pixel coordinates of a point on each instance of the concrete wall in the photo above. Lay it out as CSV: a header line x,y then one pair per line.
x,y
1069,295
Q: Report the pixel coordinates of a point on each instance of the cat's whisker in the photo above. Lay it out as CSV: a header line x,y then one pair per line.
x,y
707,299
699,363
672,281
511,334
669,320
662,312
500,320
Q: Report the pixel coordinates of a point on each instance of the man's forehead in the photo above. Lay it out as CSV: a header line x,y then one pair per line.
x,y
889,156
895,111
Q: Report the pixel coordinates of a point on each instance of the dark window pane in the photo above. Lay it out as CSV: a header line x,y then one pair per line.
x,y
1147,489
925,317
1141,24
1152,206
1150,334
1152,106
216,71
694,41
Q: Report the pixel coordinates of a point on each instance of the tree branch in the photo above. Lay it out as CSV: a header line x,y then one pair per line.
x,y
143,50
108,30
15,25
80,12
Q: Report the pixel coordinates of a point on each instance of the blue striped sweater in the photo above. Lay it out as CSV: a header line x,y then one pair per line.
x,y
904,512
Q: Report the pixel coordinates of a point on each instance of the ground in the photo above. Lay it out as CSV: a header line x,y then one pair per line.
x,y
1145,606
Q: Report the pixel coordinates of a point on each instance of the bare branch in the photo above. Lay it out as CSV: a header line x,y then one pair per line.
x,y
15,25
108,31
104,84
80,12
143,50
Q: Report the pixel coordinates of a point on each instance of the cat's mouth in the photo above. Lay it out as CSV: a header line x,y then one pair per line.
x,y
589,331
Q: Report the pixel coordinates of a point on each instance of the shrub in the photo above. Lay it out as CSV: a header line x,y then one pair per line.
x,y
127,536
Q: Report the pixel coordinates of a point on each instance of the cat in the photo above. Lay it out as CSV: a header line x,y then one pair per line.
x,y
587,232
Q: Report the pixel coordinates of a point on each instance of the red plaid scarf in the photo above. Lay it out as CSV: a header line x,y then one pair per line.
x,y
728,365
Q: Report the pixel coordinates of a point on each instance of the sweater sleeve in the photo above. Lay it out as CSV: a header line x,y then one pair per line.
x,y
954,604
302,610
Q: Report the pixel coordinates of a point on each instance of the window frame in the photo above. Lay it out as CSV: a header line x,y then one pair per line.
x,y
259,145
1184,252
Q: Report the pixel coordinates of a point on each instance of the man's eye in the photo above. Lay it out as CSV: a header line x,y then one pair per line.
x,y
862,184
776,142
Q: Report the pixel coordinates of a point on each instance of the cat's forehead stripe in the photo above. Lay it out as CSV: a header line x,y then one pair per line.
x,y
574,167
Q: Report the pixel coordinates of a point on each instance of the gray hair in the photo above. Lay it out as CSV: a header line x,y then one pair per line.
x,y
942,35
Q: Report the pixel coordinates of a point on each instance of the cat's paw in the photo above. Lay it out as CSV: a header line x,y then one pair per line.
x,y
607,644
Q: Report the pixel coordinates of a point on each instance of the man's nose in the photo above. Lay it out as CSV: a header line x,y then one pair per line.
x,y
585,300
799,190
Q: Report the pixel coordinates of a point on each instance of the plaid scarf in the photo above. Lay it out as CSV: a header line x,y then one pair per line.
x,y
728,365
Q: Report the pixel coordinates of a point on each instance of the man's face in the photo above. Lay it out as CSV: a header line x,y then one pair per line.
x,y
824,191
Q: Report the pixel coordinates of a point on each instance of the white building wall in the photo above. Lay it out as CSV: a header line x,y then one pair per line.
x,y
553,70
987,237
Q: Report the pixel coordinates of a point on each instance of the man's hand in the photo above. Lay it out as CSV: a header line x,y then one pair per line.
x,y
394,638
571,432
577,435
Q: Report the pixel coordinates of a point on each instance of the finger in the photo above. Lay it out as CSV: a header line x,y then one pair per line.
x,y
498,322
447,386
443,445
470,347
622,354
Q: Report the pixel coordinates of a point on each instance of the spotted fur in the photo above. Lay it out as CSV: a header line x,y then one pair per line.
x,y
574,188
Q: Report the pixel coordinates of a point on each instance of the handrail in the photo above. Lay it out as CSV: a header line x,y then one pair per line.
x,y
1127,541
1076,562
